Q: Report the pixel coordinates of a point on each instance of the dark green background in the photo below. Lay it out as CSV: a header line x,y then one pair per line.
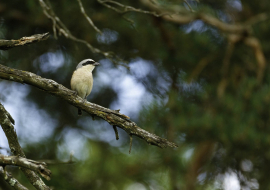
x,y
222,141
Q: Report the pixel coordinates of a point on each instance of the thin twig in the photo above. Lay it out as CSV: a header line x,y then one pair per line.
x,y
87,17
189,6
130,143
55,162
116,132
7,44
126,8
59,26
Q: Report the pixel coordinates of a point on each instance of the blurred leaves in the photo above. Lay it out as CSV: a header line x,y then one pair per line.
x,y
171,90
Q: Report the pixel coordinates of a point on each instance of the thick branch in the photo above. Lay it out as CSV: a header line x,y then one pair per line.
x,y
7,44
39,167
112,117
6,123
11,180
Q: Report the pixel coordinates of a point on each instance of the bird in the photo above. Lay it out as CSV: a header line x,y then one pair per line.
x,y
82,79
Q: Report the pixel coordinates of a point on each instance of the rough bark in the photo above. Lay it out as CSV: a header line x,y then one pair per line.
x,y
39,167
11,180
111,116
6,122
7,44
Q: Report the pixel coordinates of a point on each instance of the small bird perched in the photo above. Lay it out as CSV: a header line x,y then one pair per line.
x,y
82,79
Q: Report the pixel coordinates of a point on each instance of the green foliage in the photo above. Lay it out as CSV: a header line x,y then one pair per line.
x,y
220,129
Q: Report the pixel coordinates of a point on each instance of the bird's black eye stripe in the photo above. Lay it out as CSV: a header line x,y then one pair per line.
x,y
88,62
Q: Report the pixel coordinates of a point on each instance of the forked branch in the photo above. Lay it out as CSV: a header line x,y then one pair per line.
x,y
6,122
11,180
39,167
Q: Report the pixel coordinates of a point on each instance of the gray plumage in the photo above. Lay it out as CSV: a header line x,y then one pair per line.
x,y
82,79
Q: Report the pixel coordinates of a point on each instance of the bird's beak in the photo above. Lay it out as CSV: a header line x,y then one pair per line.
x,y
96,64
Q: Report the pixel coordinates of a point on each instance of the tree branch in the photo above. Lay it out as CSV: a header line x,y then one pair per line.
x,y
7,44
87,17
39,167
6,122
60,27
113,117
190,8
11,180
125,8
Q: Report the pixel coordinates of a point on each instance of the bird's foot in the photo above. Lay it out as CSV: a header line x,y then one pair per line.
x,y
79,112
75,92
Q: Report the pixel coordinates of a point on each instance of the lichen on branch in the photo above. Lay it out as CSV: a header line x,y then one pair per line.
x,y
113,117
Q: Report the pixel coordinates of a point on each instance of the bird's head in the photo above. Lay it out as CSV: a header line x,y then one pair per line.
x,y
87,63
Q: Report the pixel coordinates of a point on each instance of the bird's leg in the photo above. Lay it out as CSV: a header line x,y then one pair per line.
x,y
75,92
93,116
5,171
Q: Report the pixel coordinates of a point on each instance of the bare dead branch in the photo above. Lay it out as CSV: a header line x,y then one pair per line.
x,y
189,6
7,44
55,162
111,116
39,167
14,183
87,17
125,8
8,128
60,27
109,6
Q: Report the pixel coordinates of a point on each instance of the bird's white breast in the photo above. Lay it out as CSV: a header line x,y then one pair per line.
x,y
82,81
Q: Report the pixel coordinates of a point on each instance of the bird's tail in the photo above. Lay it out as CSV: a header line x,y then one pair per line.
x,y
79,112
